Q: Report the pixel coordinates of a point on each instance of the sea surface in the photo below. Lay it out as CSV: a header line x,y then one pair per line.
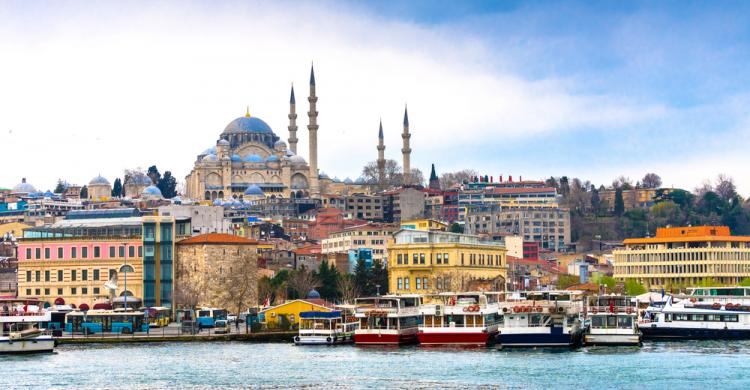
x,y
656,365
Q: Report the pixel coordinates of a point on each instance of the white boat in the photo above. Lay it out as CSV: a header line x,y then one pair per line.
x,y
705,313
541,319
21,327
327,328
469,318
613,320
387,319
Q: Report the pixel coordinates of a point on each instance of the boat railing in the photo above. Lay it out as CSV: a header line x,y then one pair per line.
x,y
612,309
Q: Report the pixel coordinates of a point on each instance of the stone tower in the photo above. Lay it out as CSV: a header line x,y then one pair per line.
x,y
406,150
293,123
434,181
312,127
381,156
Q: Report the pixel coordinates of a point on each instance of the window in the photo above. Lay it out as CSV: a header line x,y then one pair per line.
x,y
97,252
406,283
111,252
72,291
38,253
84,290
60,275
37,292
398,259
28,292
424,283
96,274
399,281
421,258
439,283
46,253
46,276
96,290
59,291
439,258
85,252
38,276
462,259
445,258
418,283
28,253
72,275
28,276
84,274
46,291
131,251
73,252
415,258
60,253
140,250
122,251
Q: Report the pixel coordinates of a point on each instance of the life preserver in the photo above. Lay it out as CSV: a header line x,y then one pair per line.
x,y
551,309
692,300
629,310
505,310
729,306
328,340
467,308
594,310
296,338
538,309
716,306
560,309
516,309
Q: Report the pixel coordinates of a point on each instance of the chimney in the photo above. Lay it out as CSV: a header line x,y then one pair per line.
x,y
520,178
510,179
491,180
500,179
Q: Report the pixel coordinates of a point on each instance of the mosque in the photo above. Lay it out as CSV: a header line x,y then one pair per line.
x,y
249,161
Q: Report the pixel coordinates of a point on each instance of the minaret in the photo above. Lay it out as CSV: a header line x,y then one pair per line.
x,y
292,123
312,127
434,181
406,150
381,156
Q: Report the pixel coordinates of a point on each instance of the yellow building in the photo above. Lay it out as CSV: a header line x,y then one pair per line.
x,y
684,256
14,228
422,261
424,224
290,310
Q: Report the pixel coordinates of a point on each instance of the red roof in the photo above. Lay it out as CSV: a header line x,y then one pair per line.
x,y
217,238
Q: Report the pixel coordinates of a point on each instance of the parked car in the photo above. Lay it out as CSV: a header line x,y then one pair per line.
x,y
221,327
231,318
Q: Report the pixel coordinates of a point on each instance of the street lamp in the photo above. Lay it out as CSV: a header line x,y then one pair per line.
x,y
377,287
125,268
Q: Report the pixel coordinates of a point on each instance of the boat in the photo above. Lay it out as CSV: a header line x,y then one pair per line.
x,y
327,328
703,313
387,319
469,318
612,320
21,327
541,319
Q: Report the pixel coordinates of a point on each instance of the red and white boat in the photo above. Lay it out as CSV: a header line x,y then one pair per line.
x,y
387,320
469,318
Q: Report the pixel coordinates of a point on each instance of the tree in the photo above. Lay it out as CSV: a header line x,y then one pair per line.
x,y
60,187
566,280
619,202
622,182
167,184
240,288
725,187
392,175
564,187
633,288
595,201
347,288
456,228
84,192
117,188
301,281
363,278
416,177
379,276
452,179
153,174
651,180
328,278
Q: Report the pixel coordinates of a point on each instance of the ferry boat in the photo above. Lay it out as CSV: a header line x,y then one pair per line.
x,y
704,313
327,328
21,329
469,318
541,319
613,320
387,320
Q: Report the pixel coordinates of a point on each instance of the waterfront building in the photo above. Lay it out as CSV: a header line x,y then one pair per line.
x,y
373,236
427,261
547,224
684,256
210,270
159,236
288,312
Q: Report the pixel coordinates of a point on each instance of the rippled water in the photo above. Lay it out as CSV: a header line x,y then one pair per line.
x,y
663,365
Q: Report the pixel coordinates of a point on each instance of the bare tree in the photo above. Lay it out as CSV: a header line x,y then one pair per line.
x,y
452,179
302,281
704,187
725,187
651,180
348,288
392,175
240,284
622,182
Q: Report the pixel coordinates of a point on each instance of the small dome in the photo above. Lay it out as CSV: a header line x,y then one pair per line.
x,y
323,176
336,179
253,158
360,180
348,181
254,190
247,124
281,145
272,158
289,153
151,193
24,187
210,158
48,194
211,150
313,294
223,142
99,181
297,159
236,158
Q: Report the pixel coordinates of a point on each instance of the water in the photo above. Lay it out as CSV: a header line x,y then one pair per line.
x,y
658,365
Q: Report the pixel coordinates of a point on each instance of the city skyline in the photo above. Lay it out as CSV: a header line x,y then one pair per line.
x,y
96,90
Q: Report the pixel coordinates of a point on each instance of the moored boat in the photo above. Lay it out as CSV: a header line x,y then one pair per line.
x,y
613,320
541,319
326,328
387,320
21,327
469,318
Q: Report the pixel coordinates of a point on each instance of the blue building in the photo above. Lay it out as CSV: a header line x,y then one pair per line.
x,y
361,253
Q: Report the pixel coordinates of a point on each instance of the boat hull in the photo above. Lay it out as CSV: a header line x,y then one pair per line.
x,y
456,338
539,339
679,333
612,339
39,344
323,340
384,339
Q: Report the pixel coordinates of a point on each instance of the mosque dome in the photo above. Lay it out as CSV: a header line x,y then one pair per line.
x,y
99,181
272,158
360,180
313,294
253,158
247,124
297,159
254,190
210,158
211,150
223,142
48,194
24,187
348,181
236,158
289,153
152,193
323,176
281,145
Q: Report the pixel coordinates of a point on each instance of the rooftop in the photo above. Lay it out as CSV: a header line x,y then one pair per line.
x,y
689,234
217,239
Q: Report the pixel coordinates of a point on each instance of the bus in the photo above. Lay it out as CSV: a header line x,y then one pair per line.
x,y
100,321
158,316
208,315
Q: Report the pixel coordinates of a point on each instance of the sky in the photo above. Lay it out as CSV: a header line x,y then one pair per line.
x,y
535,89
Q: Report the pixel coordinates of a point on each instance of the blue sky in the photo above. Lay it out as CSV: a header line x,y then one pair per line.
x,y
514,88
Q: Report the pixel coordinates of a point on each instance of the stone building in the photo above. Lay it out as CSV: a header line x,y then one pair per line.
x,y
216,270
99,189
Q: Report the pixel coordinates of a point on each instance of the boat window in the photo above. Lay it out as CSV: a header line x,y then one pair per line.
x,y
624,322
713,317
597,321
611,321
696,317
680,317
729,318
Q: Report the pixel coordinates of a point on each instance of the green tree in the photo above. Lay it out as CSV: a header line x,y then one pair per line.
x,y
117,188
167,184
745,282
619,203
633,288
379,276
60,187
456,228
84,192
595,201
153,174
328,280
566,280
363,278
